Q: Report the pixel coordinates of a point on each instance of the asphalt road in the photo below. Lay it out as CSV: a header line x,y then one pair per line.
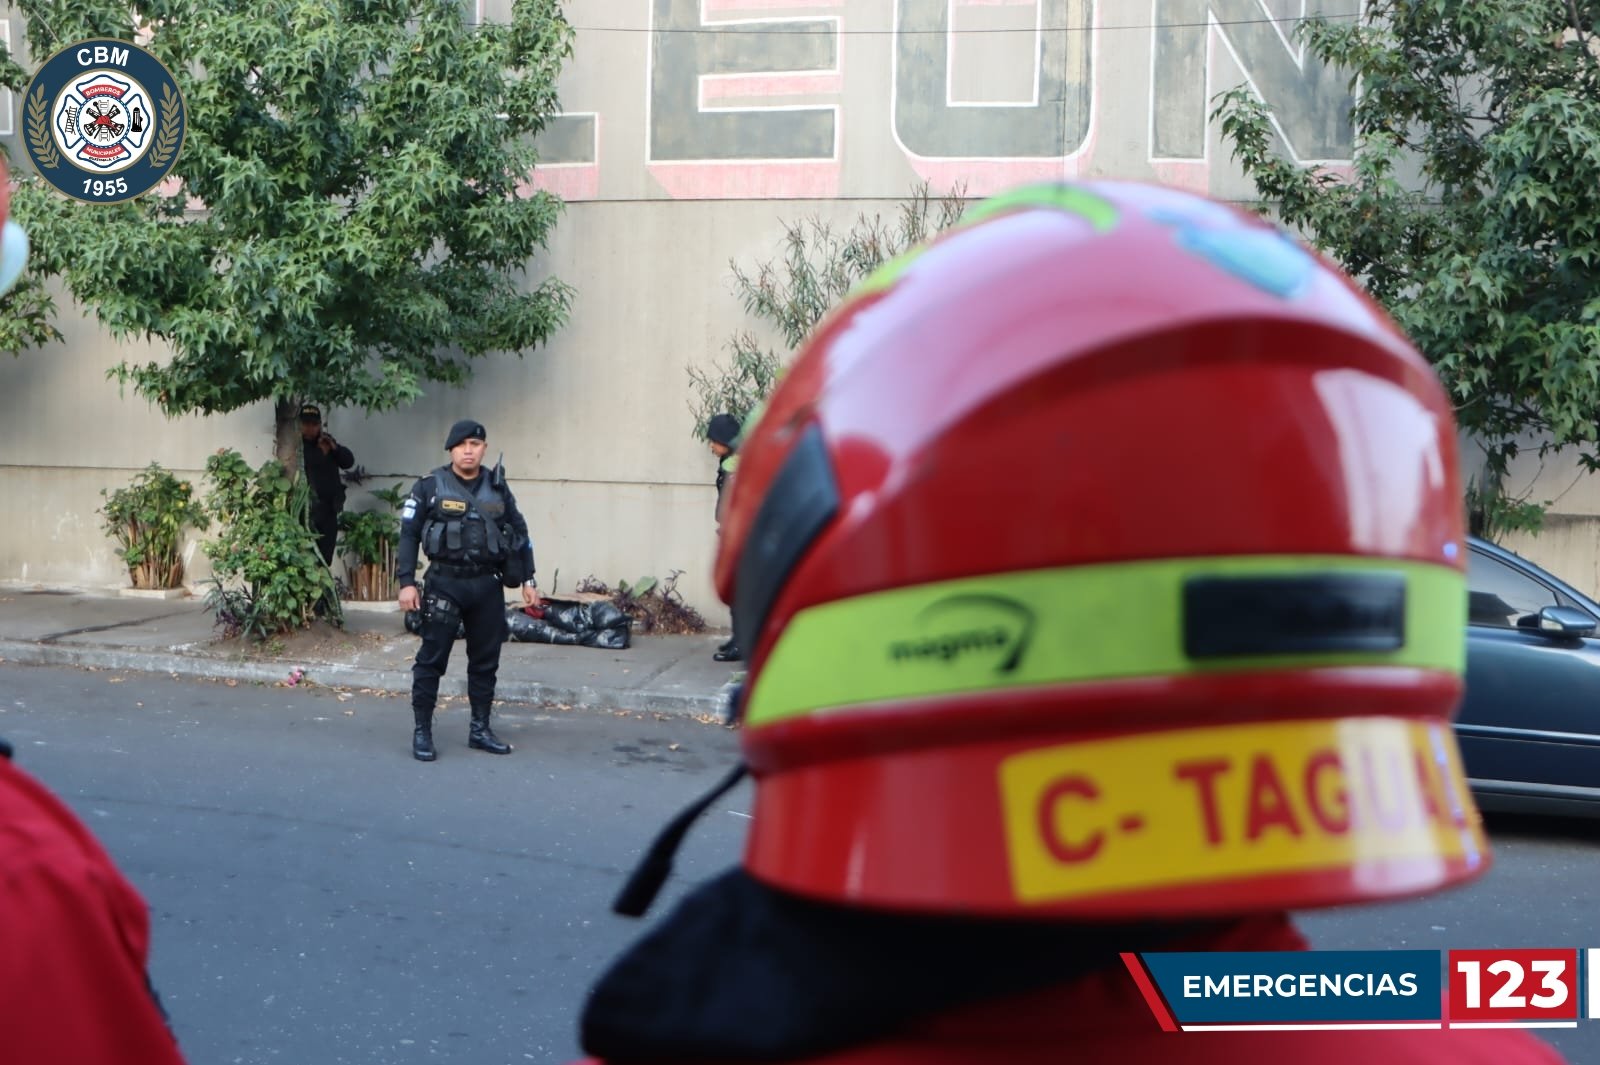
x,y
1539,894
319,897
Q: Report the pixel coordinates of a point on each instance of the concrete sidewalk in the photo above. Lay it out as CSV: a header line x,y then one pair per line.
x,y
51,626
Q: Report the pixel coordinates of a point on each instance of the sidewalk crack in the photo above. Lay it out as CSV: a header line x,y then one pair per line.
x,y
54,636
654,673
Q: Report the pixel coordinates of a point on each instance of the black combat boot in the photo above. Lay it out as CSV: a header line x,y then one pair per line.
x,y
479,734
422,738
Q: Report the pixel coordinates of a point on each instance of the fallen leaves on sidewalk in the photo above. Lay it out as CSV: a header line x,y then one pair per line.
x,y
344,693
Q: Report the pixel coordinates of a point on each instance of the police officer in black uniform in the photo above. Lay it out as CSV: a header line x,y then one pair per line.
x,y
323,458
474,536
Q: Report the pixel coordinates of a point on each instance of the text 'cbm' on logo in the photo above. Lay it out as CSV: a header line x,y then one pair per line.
x,y
103,120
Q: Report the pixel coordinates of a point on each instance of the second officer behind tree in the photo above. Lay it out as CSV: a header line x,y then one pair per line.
x,y
475,538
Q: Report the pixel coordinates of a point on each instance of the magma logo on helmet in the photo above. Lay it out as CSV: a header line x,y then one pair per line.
x,y
970,625
103,120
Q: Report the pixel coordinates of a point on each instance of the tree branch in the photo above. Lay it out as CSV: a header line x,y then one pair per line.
x,y
1577,29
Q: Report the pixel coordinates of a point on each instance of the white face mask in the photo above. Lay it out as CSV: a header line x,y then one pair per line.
x,y
13,255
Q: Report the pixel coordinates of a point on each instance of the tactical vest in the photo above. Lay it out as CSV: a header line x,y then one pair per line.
x,y
464,525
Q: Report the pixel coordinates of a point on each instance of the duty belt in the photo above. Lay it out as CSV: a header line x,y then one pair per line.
x,y
459,569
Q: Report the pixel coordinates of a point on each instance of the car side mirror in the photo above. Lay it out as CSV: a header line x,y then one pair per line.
x,y
1565,622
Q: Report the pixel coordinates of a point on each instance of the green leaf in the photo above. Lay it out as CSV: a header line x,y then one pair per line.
x,y
360,234
817,268
1487,259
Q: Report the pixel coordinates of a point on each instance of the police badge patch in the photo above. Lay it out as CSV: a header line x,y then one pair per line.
x,y
103,120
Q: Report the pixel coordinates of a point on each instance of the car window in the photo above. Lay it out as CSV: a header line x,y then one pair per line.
x,y
1566,600
1499,595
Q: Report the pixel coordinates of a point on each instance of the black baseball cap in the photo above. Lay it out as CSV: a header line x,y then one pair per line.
x,y
311,413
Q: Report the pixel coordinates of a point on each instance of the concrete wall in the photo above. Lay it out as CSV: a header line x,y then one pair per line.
x,y
693,129
1568,543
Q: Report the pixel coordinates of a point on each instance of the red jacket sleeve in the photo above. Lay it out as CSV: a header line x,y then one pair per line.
x,y
74,941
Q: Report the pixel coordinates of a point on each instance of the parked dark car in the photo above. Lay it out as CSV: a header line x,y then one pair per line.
x,y
1530,723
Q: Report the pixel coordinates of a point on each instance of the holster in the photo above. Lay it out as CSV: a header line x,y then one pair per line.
x,y
441,610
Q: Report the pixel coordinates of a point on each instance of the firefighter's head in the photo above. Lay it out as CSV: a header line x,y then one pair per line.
x,y
1103,558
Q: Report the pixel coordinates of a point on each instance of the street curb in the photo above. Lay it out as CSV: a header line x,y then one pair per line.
x,y
335,675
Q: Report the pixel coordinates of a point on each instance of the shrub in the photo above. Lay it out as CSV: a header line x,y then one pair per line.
x,y
369,539
270,578
147,520
818,268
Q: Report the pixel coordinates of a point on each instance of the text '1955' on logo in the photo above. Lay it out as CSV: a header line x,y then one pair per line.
x,y
994,629
103,120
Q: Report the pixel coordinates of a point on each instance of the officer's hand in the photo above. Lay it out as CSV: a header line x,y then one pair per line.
x,y
326,443
409,598
531,596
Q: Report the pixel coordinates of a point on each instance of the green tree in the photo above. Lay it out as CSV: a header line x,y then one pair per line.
x,y
818,268
1472,211
353,217
27,312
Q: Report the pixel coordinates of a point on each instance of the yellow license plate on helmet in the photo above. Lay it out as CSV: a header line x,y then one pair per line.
x,y
1158,810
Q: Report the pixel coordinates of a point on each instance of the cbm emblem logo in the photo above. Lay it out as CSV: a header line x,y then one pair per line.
x,y
103,120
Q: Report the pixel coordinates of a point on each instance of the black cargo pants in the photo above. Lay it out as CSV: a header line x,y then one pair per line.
x,y
325,524
479,604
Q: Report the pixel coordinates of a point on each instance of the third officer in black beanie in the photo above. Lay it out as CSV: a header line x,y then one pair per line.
x,y
476,540
722,435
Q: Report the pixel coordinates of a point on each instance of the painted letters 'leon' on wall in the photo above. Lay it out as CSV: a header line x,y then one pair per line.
x,y
828,98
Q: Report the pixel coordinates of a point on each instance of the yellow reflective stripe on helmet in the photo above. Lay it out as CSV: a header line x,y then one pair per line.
x,y
1063,626
1098,212
889,272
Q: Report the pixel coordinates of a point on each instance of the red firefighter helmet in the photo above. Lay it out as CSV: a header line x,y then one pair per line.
x,y
1103,558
